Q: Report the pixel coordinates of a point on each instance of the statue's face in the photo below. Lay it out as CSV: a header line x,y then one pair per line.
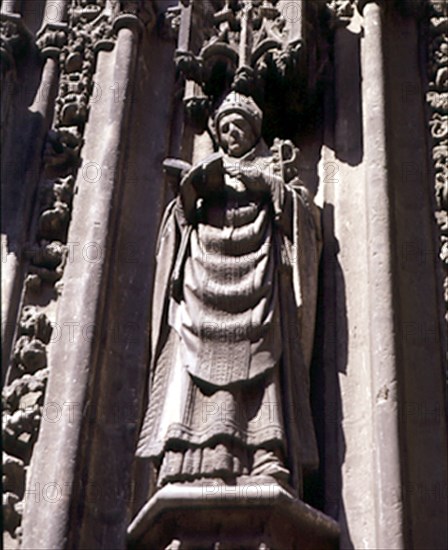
x,y
236,135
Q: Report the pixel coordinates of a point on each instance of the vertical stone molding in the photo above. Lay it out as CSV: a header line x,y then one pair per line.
x,y
437,100
341,14
25,372
16,43
82,300
383,356
51,39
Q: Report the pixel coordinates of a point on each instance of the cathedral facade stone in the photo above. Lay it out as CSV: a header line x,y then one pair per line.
x,y
224,289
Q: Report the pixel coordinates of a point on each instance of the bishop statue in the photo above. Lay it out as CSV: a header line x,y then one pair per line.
x,y
233,315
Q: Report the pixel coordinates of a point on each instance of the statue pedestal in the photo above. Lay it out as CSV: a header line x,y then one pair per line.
x,y
250,515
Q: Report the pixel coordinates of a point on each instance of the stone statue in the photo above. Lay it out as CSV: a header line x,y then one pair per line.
x,y
233,316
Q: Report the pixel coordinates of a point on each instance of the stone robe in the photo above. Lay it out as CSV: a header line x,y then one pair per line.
x,y
229,384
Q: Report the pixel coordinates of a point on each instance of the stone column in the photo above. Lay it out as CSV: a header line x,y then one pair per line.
x,y
11,6
346,44
347,459
383,354
49,40
73,366
51,37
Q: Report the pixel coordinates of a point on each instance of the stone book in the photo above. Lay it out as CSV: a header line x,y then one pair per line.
x,y
207,177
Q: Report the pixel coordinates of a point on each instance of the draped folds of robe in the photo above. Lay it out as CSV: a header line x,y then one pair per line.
x,y
230,354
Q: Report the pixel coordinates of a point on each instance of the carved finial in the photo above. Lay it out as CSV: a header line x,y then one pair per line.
x,y
361,4
171,23
142,10
342,11
51,38
14,39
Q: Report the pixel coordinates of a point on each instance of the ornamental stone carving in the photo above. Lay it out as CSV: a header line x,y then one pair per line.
x,y
248,46
437,99
15,38
22,402
91,27
51,39
341,11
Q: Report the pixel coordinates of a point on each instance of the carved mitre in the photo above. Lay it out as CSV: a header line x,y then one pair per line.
x,y
243,105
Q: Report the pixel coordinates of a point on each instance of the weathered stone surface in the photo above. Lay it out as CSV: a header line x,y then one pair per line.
x,y
65,93
13,474
249,515
91,34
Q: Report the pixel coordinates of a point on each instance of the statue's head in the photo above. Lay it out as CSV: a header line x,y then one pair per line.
x,y
238,124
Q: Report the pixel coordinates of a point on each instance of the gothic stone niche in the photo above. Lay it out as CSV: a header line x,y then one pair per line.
x,y
233,326
273,50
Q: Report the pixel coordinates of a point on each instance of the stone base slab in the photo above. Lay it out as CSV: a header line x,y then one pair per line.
x,y
252,515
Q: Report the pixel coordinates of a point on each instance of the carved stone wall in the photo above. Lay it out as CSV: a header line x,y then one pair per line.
x,y
437,98
70,38
97,94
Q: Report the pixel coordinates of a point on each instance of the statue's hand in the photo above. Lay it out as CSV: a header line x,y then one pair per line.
x,y
254,177
175,170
